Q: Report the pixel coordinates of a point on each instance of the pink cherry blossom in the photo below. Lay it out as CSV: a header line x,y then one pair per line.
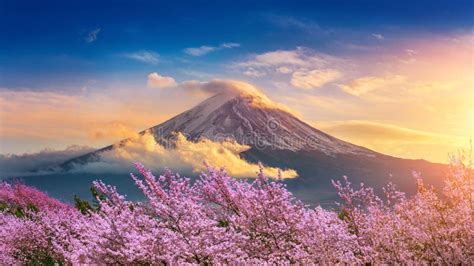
x,y
221,220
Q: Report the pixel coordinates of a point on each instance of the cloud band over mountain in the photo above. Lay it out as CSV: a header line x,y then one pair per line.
x,y
185,157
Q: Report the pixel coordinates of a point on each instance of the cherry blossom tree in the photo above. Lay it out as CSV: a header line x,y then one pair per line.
x,y
221,220
430,227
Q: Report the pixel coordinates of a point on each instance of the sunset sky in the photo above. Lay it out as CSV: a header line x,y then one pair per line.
x,y
394,76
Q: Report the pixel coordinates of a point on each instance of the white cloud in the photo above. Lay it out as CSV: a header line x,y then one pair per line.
x,y
365,85
301,67
314,79
155,80
231,87
144,56
230,45
217,86
299,57
378,36
92,35
199,50
187,156
203,50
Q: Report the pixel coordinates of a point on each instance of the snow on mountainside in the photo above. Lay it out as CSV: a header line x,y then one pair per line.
x,y
229,116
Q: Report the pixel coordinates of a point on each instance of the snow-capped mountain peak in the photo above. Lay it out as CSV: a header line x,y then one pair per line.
x,y
251,120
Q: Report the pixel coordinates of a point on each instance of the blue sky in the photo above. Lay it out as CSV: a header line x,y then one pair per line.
x,y
49,41
395,76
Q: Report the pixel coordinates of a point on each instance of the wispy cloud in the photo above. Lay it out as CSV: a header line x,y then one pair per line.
x,y
92,35
196,74
394,140
13,165
289,22
198,51
377,36
230,45
291,59
144,56
202,50
314,79
302,67
410,52
365,85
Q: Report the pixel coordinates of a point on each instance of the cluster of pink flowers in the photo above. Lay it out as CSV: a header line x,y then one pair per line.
x,y
218,219
22,196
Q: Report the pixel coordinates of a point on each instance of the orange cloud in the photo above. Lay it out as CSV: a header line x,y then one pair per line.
x,y
155,80
85,119
395,140
98,118
364,85
116,130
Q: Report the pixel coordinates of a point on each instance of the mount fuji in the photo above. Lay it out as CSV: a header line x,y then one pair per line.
x,y
246,120
271,134
278,138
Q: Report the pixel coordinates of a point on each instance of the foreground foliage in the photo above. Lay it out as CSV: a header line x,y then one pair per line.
x,y
218,219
